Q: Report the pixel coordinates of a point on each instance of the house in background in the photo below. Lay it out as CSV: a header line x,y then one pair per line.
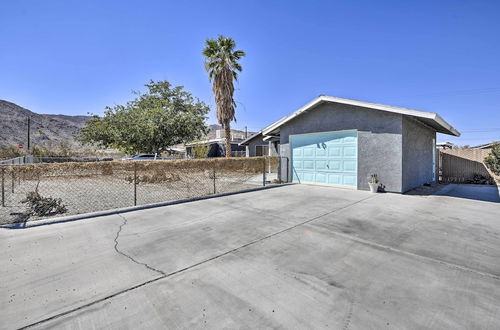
x,y
217,146
444,145
487,145
342,142
256,145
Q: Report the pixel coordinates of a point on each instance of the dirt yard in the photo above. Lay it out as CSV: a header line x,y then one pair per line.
x,y
90,194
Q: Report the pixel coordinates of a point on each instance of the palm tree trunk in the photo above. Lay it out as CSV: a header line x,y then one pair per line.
x,y
227,131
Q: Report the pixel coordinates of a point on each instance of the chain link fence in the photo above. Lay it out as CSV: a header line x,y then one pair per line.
x,y
37,191
17,160
30,159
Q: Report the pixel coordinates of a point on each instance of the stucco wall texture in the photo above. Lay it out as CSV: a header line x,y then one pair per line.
x,y
418,149
381,149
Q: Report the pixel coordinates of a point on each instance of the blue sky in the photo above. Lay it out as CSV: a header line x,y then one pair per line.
x,y
75,57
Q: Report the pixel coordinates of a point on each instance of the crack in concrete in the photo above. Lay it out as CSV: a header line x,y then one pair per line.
x,y
129,256
415,255
350,237
348,317
167,275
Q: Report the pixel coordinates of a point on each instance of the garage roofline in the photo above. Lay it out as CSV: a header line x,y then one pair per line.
x,y
251,137
430,118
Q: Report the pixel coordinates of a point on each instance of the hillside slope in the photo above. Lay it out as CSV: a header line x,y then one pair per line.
x,y
46,130
50,130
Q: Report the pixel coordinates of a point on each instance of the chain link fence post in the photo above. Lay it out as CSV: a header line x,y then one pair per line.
x,y
13,177
135,184
286,170
264,171
278,174
215,191
3,187
105,184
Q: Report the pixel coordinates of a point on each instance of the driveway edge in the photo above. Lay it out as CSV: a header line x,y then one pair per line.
x,y
443,190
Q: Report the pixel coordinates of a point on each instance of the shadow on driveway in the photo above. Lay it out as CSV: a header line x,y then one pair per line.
x,y
485,193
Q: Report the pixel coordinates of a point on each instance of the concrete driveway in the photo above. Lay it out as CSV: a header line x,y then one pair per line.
x,y
289,257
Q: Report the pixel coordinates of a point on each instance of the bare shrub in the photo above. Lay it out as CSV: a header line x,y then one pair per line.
x,y
43,206
493,160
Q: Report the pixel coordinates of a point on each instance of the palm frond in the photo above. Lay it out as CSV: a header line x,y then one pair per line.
x,y
221,63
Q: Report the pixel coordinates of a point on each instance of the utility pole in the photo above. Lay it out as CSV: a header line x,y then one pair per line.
x,y
29,128
246,132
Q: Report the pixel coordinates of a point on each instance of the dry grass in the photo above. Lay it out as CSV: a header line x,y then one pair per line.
x,y
89,187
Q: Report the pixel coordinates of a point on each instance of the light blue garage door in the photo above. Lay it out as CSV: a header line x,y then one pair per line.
x,y
327,158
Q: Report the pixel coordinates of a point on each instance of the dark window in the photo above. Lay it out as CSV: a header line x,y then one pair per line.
x,y
261,151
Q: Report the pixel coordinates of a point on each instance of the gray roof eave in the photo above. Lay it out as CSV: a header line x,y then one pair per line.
x,y
430,118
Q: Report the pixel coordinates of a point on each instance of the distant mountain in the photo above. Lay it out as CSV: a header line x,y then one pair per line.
x,y
46,130
50,130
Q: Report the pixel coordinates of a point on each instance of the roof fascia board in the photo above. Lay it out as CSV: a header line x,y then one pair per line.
x,y
404,111
270,137
447,126
383,107
244,142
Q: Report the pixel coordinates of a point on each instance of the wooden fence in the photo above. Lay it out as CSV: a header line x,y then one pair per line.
x,y
464,166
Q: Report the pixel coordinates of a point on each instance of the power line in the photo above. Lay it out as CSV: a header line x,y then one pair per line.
x,y
29,129
458,92
482,130
460,139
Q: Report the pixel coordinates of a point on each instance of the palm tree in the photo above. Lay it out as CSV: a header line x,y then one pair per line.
x,y
221,62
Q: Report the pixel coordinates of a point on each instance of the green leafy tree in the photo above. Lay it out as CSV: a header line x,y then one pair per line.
x,y
493,159
221,62
152,122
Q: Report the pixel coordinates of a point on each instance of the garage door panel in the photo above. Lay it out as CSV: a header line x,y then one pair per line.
x,y
297,152
327,158
308,152
321,177
334,179
308,164
335,165
308,176
298,177
349,151
321,165
349,165
297,164
334,151
321,152
349,180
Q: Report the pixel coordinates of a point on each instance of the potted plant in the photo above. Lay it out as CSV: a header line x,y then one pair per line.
x,y
373,183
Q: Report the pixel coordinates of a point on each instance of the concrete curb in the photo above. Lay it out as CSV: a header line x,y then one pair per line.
x,y
71,218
